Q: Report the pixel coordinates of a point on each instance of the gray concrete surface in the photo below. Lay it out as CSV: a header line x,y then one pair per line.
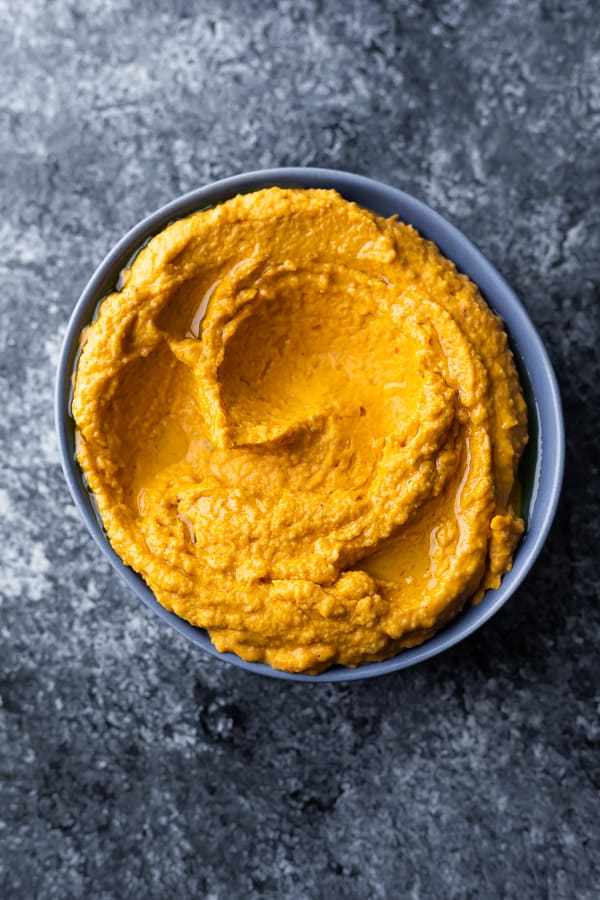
x,y
132,765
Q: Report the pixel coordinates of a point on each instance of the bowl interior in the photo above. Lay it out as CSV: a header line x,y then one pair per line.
x,y
542,464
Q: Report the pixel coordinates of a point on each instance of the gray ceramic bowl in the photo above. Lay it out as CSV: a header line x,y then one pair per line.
x,y
542,466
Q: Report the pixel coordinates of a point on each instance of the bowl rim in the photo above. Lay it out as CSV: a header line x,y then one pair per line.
x,y
531,355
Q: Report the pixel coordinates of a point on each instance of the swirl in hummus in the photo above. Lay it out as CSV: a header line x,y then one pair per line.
x,y
301,426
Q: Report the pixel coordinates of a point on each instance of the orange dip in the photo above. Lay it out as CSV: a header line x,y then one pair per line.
x,y
301,426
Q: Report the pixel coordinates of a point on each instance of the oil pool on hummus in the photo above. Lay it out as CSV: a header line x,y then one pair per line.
x,y
301,426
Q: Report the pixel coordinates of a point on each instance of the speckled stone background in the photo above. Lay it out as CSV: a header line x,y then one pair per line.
x,y
133,765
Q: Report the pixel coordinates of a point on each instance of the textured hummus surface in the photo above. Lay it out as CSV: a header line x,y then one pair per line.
x,y
301,426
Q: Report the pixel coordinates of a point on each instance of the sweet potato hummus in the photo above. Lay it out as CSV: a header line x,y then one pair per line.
x,y
301,426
